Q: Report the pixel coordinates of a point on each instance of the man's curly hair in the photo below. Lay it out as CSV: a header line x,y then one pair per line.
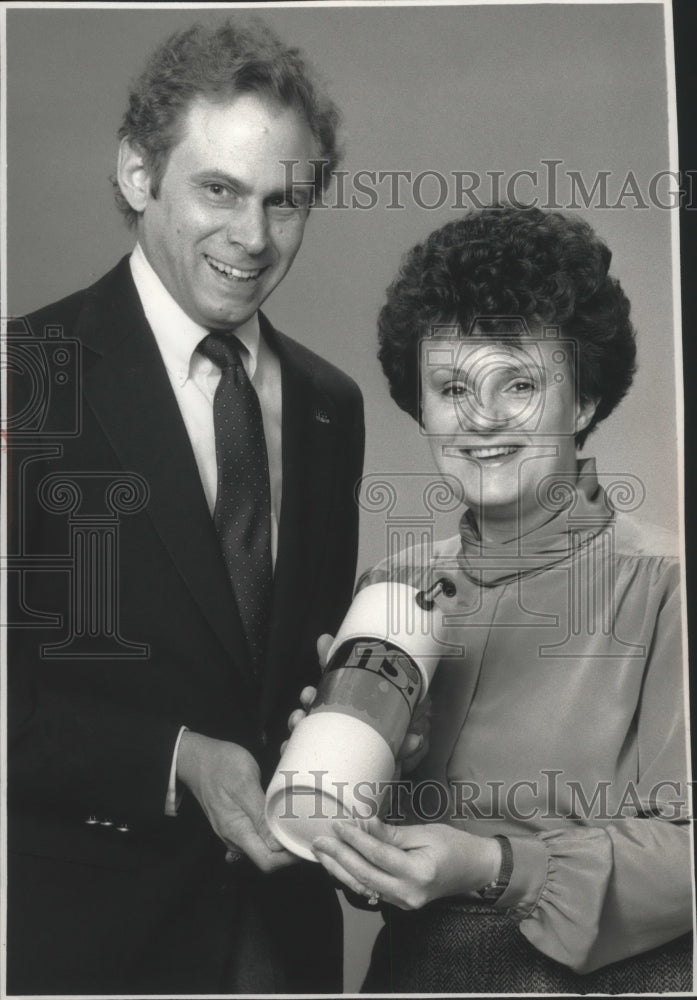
x,y
217,64
546,267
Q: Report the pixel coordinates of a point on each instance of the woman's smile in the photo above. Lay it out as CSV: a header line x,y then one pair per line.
x,y
501,418
490,453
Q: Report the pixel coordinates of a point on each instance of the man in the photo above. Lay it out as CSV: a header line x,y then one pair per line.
x,y
167,617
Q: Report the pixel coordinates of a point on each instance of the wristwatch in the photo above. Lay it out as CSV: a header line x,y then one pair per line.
x,y
494,890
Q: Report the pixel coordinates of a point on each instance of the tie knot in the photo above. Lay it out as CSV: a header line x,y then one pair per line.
x,y
223,349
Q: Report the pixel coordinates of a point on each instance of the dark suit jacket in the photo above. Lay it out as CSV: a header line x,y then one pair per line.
x,y
126,628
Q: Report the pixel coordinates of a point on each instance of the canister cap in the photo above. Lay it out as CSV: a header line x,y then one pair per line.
x,y
390,611
335,767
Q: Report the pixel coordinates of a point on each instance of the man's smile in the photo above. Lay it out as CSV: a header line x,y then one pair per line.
x,y
237,273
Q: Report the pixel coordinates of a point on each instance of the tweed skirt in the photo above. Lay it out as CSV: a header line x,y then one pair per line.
x,y
453,947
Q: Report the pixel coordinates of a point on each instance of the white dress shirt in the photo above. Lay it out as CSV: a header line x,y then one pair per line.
x,y
194,379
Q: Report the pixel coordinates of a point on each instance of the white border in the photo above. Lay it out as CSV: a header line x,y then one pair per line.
x,y
290,4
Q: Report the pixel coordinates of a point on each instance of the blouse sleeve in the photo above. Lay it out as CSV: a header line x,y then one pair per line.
x,y
588,896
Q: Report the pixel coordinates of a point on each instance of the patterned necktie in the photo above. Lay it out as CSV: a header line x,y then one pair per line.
x,y
242,513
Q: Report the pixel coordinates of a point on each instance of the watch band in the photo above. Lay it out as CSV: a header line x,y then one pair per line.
x,y
494,890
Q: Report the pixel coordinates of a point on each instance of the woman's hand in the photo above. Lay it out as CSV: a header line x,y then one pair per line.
x,y
415,746
416,742
307,696
408,865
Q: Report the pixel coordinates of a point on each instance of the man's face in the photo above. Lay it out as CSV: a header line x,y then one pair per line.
x,y
224,231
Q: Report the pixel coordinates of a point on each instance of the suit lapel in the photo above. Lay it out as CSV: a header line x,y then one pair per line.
x,y
309,457
129,391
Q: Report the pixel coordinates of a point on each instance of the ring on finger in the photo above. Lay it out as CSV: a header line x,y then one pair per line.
x,y
374,897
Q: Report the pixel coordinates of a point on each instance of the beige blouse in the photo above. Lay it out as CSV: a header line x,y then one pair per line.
x,y
559,720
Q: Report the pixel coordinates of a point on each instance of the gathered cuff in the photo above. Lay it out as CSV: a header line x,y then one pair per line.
x,y
530,864
557,893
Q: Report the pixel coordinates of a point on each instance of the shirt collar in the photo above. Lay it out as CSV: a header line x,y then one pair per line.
x,y
176,333
579,510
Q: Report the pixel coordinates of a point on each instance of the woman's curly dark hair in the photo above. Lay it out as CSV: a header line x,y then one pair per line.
x,y
545,267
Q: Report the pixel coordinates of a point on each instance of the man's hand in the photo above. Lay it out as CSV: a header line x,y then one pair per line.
x,y
224,777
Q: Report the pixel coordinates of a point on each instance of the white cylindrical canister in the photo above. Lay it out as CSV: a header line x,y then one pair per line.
x,y
338,757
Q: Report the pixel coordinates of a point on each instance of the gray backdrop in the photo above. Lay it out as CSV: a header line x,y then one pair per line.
x,y
485,88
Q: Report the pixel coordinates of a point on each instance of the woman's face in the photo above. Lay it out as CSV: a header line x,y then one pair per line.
x,y
501,416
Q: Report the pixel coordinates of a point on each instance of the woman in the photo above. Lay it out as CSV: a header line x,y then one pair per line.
x,y
554,855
